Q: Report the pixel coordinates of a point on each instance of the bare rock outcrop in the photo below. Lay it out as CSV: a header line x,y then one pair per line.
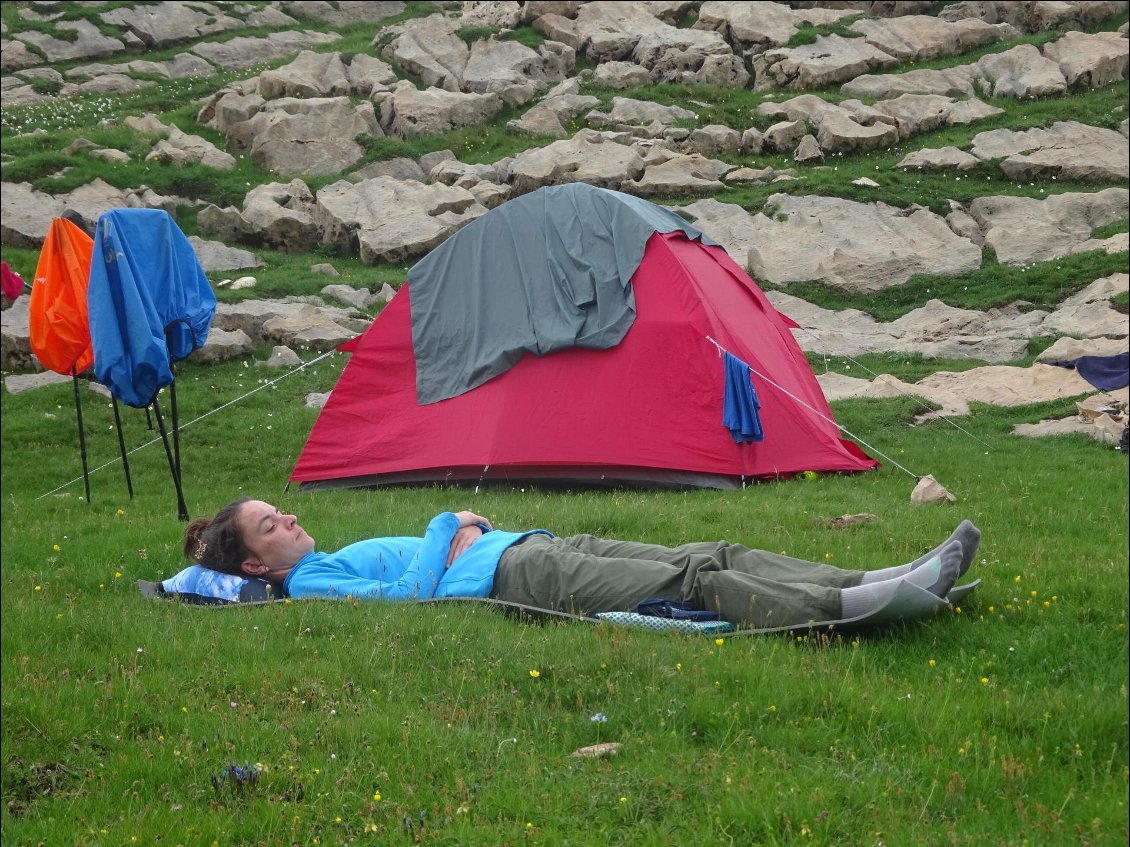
x,y
830,60
635,32
1036,17
315,136
170,23
88,42
1023,229
916,38
1066,149
408,112
340,14
243,52
854,246
752,28
181,148
1073,61
432,49
387,220
604,159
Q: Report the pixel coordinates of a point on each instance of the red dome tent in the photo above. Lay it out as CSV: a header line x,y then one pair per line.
x,y
647,408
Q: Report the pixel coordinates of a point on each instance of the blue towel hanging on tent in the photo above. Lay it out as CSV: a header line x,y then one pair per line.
x,y
740,404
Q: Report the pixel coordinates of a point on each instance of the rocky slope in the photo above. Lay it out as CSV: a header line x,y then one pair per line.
x,y
834,82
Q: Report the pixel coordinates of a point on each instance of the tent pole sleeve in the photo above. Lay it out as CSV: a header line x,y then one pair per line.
x,y
81,435
182,510
122,445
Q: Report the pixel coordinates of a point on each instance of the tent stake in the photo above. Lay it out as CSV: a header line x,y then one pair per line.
x,y
122,444
81,435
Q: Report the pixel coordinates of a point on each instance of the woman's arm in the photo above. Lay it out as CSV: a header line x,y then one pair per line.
x,y
467,534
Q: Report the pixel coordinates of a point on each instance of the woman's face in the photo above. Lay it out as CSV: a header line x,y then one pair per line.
x,y
275,540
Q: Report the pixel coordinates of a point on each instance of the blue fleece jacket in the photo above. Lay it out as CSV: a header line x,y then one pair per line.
x,y
404,568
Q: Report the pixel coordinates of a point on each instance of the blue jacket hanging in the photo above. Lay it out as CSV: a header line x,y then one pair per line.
x,y
740,404
150,302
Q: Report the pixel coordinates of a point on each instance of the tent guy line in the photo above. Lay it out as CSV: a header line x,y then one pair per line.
x,y
844,430
827,419
906,394
194,420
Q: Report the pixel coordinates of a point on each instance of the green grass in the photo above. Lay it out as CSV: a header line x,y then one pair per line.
x,y
1042,285
118,711
1003,724
808,33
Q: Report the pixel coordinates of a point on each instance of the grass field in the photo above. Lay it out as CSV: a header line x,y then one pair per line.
x,y
1004,722
127,721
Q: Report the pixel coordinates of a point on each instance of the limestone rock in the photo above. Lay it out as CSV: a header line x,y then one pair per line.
x,y
754,27
808,151
929,490
282,216
948,82
1021,72
626,111
1023,229
854,246
941,159
244,52
309,75
214,256
1090,61
831,59
341,14
678,175
589,156
621,75
315,136
180,148
222,346
391,220
281,357
358,298
553,114
1035,17
430,49
513,71
168,23
1067,149
410,113
26,214
88,42
19,383
916,38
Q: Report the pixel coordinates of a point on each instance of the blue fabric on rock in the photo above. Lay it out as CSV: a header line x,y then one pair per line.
x,y
1106,373
740,404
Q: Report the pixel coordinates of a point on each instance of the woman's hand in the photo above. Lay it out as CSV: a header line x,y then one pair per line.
x,y
464,537
471,519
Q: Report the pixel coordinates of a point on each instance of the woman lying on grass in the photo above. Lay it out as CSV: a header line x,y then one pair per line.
x,y
462,555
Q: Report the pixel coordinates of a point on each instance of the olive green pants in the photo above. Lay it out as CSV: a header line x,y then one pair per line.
x,y
585,575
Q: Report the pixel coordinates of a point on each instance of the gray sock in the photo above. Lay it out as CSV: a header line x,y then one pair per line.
x,y
937,575
966,533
